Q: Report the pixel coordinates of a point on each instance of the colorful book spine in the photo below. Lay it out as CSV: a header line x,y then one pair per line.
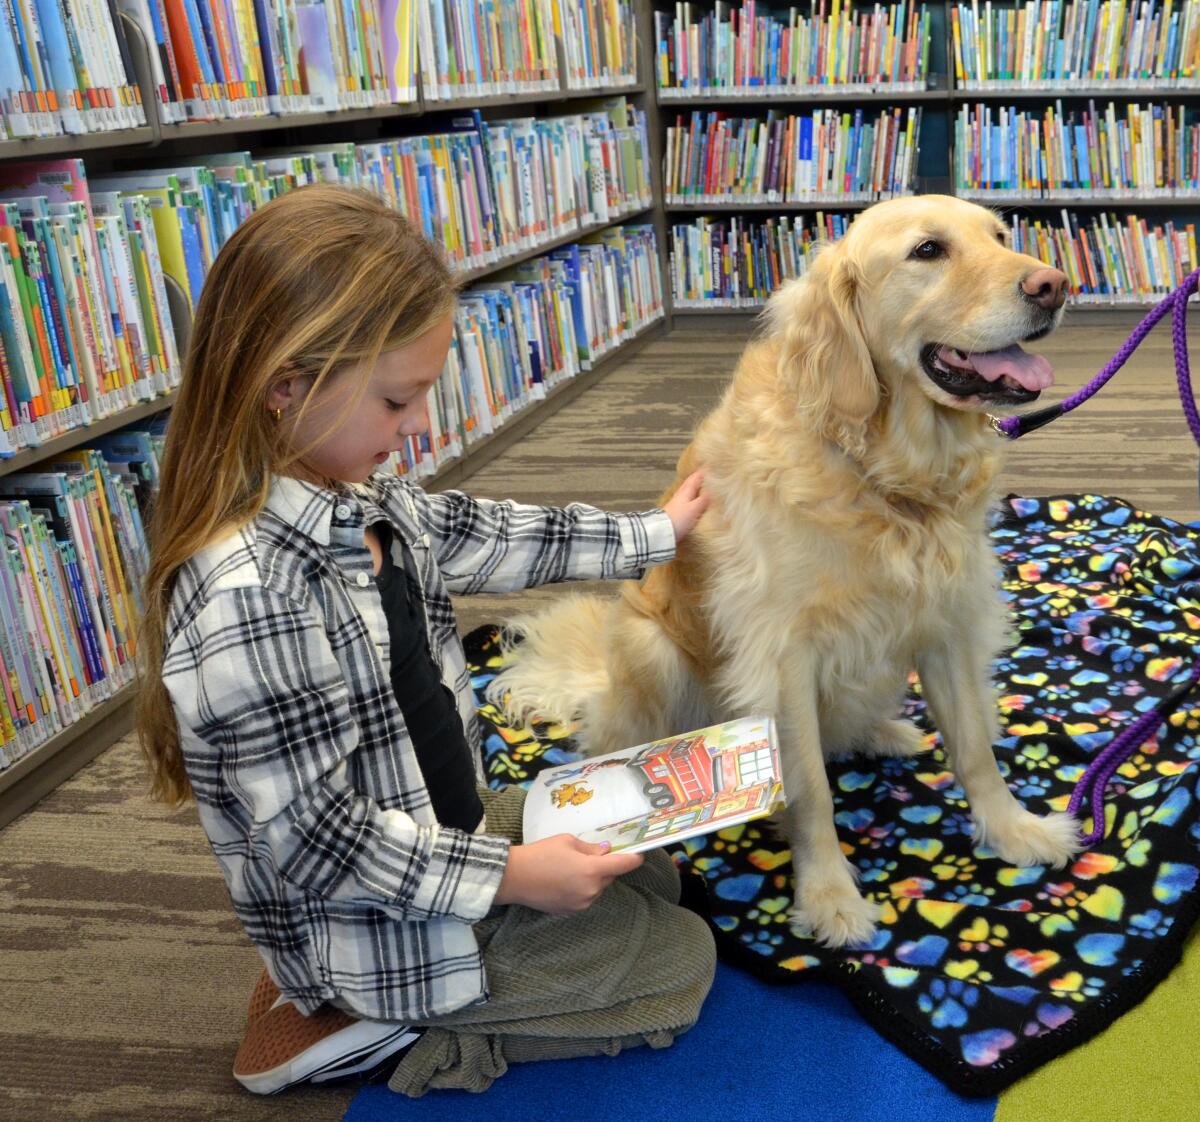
x,y
397,19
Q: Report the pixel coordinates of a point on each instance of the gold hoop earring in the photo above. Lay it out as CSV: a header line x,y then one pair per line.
x,y
278,415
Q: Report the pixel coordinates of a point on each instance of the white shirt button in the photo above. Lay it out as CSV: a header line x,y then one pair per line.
x,y
342,510
362,580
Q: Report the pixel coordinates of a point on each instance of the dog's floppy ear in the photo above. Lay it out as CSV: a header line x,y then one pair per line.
x,y
823,353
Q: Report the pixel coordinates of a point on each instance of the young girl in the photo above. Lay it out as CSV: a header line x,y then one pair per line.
x,y
305,682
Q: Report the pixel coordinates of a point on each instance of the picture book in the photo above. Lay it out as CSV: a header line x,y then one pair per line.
x,y
662,792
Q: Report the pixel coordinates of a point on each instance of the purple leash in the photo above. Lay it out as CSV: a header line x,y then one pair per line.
x,y
1095,779
1104,766
1176,303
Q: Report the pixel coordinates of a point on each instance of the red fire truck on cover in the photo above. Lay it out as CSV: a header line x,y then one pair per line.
x,y
685,771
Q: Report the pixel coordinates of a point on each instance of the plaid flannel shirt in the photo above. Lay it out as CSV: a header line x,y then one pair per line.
x,y
305,777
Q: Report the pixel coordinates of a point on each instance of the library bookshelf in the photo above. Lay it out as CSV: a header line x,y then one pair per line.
x,y
942,92
39,771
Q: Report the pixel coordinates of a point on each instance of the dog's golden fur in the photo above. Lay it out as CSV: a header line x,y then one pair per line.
x,y
846,545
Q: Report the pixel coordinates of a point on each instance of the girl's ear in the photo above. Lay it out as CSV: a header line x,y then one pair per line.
x,y
287,392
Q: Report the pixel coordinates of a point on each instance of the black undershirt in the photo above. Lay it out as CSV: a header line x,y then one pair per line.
x,y
429,708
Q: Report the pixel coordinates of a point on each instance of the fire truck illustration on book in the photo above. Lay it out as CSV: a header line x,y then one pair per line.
x,y
686,770
677,773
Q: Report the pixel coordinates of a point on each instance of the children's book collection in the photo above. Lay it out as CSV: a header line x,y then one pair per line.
x,y
826,155
86,263
1060,44
1002,153
68,66
720,49
71,584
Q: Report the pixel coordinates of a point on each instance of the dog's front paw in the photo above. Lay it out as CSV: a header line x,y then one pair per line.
x,y
1026,839
834,914
896,738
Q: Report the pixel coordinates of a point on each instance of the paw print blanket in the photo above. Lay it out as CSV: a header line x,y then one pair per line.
x,y
982,971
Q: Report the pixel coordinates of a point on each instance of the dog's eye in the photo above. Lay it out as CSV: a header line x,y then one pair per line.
x,y
1001,237
927,251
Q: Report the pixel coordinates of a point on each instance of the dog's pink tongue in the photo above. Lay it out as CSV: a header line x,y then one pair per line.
x,y
1031,371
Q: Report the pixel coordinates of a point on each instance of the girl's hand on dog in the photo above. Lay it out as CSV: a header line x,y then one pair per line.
x,y
687,505
561,874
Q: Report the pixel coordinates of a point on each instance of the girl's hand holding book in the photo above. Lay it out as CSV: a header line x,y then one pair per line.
x,y
561,874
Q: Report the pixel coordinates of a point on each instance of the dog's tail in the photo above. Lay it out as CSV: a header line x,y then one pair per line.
x,y
555,662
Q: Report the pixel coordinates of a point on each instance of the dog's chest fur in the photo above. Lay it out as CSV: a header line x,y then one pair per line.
x,y
883,576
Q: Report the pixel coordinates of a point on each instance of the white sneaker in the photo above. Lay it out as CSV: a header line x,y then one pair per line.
x,y
283,1047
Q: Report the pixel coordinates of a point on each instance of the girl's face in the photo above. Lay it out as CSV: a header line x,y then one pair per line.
x,y
347,448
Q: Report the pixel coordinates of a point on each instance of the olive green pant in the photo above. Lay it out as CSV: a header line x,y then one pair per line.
x,y
632,969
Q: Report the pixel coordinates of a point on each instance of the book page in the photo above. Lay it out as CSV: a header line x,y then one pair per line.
x,y
653,794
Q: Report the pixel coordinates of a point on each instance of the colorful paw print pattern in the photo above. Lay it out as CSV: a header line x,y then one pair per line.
x,y
981,970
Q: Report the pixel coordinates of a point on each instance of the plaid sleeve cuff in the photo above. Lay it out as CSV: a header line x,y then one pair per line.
x,y
462,876
646,539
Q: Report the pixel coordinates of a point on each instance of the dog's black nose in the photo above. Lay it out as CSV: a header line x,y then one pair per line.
x,y
1046,287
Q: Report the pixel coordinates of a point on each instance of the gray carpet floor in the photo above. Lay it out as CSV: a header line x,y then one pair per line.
x,y
123,973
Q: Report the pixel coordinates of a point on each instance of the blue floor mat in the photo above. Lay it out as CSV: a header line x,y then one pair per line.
x,y
759,1051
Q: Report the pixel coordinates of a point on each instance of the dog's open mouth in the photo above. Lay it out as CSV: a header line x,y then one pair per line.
x,y
1010,376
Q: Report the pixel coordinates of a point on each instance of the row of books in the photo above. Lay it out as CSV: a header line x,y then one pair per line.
x,y
65,66
68,66
496,188
719,49
1111,259
600,45
1146,150
828,154
737,263
538,324
474,48
1057,44
71,587
85,323
86,328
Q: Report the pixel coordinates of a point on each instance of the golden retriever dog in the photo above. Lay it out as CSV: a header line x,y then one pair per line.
x,y
851,464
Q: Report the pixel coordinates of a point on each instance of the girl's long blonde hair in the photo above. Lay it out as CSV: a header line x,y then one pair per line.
x,y
318,280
